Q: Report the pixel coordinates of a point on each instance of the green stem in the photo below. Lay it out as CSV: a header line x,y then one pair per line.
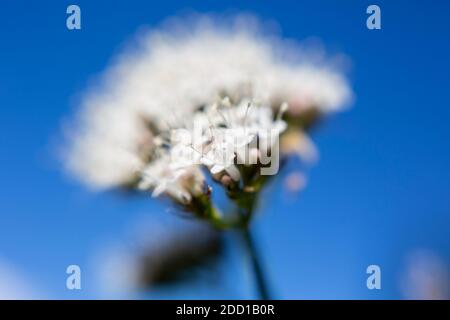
x,y
242,225
220,222
256,264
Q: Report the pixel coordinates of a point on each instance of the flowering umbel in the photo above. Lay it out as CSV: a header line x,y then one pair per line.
x,y
227,87
203,105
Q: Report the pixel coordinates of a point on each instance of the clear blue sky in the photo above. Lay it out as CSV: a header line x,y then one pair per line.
x,y
380,190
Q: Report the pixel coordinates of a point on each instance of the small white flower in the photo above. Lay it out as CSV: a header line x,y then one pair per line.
x,y
180,184
221,158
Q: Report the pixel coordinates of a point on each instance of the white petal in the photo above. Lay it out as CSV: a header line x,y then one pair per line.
x,y
217,168
233,172
161,188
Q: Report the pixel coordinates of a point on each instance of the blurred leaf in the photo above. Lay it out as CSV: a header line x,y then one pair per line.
x,y
184,258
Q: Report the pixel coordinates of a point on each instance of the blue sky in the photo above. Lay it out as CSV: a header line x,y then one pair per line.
x,y
379,192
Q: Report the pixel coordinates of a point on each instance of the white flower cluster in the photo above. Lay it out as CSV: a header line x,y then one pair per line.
x,y
170,80
221,137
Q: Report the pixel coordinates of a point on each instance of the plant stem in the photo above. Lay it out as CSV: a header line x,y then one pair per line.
x,y
256,264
